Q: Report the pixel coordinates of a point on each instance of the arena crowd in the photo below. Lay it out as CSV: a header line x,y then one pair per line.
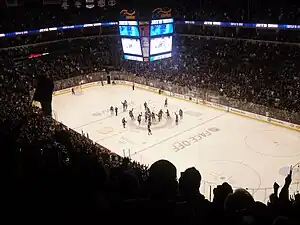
x,y
54,174
29,16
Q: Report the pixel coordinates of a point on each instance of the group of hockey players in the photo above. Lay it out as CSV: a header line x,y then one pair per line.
x,y
149,116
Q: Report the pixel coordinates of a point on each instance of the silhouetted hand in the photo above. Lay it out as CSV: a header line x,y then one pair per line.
x,y
288,179
275,187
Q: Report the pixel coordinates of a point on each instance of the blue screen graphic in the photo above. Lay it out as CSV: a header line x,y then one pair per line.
x,y
161,29
159,57
131,31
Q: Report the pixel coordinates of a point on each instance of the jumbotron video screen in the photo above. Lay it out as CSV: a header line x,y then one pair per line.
x,y
131,46
161,39
161,29
160,45
147,40
131,31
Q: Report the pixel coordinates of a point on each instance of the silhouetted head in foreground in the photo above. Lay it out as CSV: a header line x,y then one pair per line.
x,y
129,185
220,194
189,183
162,181
239,207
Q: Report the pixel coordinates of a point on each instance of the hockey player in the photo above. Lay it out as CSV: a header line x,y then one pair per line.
x,y
160,113
111,110
149,131
149,118
168,114
149,128
149,122
124,105
124,122
116,111
133,86
139,119
73,92
159,117
176,119
166,102
153,116
148,112
145,105
131,114
146,116
181,113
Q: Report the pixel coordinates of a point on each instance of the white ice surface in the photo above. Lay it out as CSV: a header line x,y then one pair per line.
x,y
222,146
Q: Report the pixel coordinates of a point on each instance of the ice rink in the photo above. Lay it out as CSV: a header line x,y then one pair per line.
x,y
222,146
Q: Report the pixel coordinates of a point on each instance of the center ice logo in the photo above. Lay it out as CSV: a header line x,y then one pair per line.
x,y
180,145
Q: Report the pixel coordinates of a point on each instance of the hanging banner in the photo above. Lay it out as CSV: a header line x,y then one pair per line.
x,y
101,3
127,14
65,4
89,4
111,3
78,4
162,13
11,3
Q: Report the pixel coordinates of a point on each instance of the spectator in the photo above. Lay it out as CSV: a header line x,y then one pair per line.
x,y
189,185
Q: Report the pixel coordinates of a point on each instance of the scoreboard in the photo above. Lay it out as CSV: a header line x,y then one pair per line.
x,y
129,28
161,27
147,40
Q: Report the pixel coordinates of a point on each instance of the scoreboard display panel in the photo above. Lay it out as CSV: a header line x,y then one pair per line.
x,y
159,57
131,46
147,41
161,29
134,58
131,31
162,21
160,45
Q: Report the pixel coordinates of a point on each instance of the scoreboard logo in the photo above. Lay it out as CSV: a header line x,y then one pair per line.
x,y
161,13
128,14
